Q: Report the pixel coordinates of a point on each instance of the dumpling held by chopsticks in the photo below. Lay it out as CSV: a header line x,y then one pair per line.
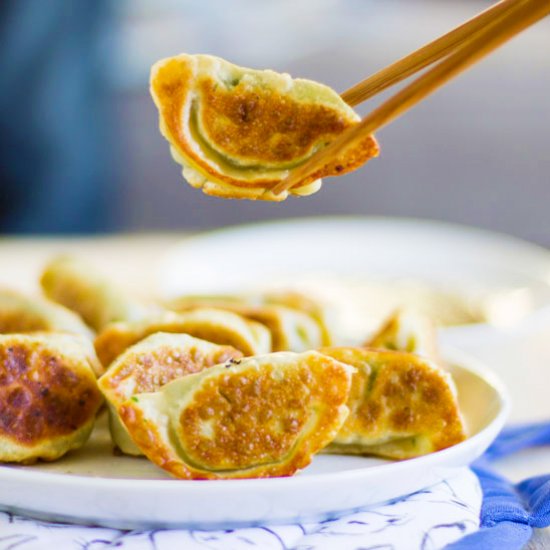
x,y
238,132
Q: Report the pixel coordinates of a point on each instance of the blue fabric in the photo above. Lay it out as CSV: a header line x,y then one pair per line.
x,y
510,511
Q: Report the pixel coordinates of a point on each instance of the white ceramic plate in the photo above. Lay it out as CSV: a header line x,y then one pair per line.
x,y
91,486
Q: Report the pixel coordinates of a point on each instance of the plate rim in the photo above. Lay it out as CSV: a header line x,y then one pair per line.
x,y
506,239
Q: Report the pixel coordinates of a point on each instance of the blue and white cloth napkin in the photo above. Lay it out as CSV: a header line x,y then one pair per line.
x,y
475,510
510,512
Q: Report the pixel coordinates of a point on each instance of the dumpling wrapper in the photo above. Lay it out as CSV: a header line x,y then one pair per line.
x,y
48,396
291,329
79,287
410,331
318,311
215,325
237,132
401,405
149,365
264,416
20,314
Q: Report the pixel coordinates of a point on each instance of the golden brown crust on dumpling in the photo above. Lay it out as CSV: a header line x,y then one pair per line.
x,y
48,396
263,417
349,160
151,364
217,326
401,405
156,361
238,131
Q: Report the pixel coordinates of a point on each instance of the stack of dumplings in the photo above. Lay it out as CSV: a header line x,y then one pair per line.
x,y
148,366
261,416
214,325
213,387
295,322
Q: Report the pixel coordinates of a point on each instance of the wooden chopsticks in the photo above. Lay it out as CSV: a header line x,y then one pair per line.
x,y
458,50
424,56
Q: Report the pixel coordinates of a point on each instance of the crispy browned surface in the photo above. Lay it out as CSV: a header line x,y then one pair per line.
x,y
170,84
148,438
117,337
41,396
251,423
262,125
259,126
256,420
348,161
398,394
162,364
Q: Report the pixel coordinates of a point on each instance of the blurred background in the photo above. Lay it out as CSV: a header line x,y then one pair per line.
x,y
81,152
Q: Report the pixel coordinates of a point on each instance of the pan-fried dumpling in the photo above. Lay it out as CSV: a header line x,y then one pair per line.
x,y
249,304
264,416
20,313
237,132
291,329
151,364
407,330
401,405
298,301
78,286
215,325
48,396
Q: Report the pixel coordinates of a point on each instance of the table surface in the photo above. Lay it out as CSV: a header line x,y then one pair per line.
x,y
521,358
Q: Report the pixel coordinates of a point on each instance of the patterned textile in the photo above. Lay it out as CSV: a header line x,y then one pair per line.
x,y
427,520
